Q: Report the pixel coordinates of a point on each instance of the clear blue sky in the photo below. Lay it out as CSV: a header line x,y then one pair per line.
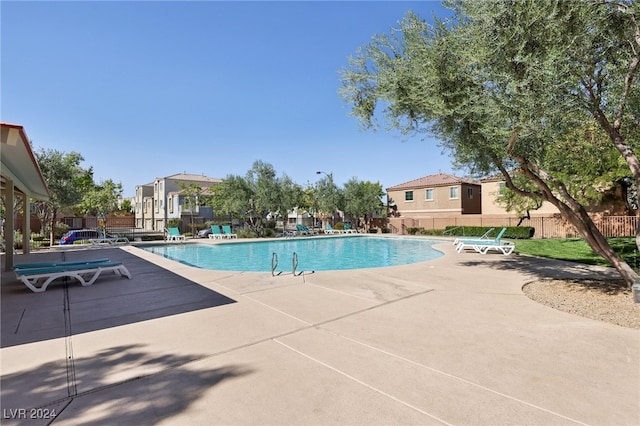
x,y
150,89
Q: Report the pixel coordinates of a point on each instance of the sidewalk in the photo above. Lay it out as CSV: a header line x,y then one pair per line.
x,y
449,341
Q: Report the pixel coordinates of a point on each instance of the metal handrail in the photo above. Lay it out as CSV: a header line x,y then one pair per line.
x,y
294,263
274,263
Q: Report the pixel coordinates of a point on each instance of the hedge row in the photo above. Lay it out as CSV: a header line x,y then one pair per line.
x,y
514,232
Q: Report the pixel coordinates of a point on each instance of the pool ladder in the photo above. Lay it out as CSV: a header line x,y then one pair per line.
x,y
294,265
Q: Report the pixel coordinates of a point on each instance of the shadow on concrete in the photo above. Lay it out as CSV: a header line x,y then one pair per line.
x,y
67,308
90,392
539,268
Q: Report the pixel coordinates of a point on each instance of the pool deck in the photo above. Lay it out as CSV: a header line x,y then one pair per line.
x,y
450,341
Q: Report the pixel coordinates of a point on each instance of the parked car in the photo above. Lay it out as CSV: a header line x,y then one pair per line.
x,y
204,233
78,235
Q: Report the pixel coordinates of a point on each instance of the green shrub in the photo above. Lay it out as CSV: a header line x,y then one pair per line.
x,y
373,230
246,233
431,232
413,230
269,232
60,230
386,230
339,226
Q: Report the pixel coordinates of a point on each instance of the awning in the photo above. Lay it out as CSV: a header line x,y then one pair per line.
x,y
19,174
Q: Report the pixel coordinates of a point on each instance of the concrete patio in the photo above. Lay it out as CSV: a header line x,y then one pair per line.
x,y
449,341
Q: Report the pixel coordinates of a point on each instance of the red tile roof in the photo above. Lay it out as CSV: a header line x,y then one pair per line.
x,y
440,179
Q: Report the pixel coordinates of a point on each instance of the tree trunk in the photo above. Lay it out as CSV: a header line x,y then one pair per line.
x,y
575,213
52,233
583,223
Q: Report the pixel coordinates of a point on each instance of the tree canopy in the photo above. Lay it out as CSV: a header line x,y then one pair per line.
x,y
362,198
259,194
509,87
66,181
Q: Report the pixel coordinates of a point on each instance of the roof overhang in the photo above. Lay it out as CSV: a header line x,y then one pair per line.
x,y
19,164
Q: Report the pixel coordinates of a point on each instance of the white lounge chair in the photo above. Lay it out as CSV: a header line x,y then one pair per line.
x,y
505,247
173,234
484,236
226,231
38,279
480,245
349,230
216,233
20,266
108,239
331,230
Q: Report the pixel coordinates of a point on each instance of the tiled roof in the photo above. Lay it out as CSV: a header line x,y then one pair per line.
x,y
440,179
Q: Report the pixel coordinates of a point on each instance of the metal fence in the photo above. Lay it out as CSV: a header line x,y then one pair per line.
x,y
545,227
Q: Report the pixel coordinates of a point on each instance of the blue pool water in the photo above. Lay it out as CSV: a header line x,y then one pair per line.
x,y
313,254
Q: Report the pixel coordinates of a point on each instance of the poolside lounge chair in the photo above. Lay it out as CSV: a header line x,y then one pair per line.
x,y
87,273
19,266
348,230
173,234
309,231
304,230
226,231
483,246
484,236
329,230
216,233
505,247
300,230
108,239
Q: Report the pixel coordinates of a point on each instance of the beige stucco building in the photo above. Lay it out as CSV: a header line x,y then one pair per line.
x,y
491,188
439,195
161,200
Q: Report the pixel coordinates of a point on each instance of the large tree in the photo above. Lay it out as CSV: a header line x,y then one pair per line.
x,y
329,196
66,182
362,198
504,83
259,194
99,199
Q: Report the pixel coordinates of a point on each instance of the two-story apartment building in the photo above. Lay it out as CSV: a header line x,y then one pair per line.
x,y
161,200
439,195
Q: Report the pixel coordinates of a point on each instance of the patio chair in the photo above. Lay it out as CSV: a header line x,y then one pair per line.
x,y
505,247
38,279
484,236
482,246
300,230
108,239
309,231
348,230
19,266
329,230
226,230
173,234
216,233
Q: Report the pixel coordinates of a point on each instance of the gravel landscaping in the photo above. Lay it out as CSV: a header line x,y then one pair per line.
x,y
604,300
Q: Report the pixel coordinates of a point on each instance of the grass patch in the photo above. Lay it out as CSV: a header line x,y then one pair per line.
x,y
577,250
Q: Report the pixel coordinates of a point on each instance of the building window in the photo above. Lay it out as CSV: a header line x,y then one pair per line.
x,y
429,194
170,203
453,192
408,195
470,193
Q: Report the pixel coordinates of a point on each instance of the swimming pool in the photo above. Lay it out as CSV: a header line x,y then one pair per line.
x,y
313,254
